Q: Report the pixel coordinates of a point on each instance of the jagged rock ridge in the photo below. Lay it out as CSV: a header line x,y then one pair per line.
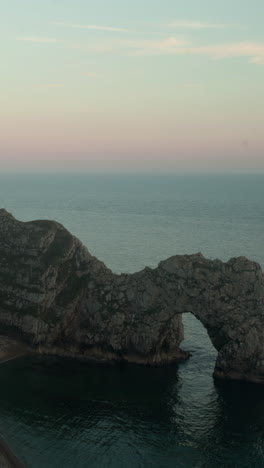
x,y
60,299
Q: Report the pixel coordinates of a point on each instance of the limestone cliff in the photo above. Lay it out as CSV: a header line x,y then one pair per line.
x,y
59,298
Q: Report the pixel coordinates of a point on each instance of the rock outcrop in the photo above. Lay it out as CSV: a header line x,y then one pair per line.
x,y
57,297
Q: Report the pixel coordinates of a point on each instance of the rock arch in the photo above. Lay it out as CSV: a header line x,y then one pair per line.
x,y
61,300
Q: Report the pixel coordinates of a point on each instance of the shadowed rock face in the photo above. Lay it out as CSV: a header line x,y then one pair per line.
x,y
57,297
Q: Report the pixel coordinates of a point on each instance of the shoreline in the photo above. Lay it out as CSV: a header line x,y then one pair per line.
x,y
7,458
11,349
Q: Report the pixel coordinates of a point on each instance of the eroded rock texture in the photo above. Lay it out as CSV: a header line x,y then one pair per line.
x,y
62,300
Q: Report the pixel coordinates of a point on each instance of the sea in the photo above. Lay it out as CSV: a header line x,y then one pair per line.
x,y
64,414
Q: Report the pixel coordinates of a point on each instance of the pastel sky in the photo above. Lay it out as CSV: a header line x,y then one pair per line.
x,y
140,86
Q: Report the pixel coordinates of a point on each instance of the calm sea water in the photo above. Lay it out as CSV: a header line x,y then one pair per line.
x,y
57,413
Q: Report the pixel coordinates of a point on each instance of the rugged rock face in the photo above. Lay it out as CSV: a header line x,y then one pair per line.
x,y
60,299
57,297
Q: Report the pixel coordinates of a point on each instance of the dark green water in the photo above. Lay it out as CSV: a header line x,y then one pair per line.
x,y
58,413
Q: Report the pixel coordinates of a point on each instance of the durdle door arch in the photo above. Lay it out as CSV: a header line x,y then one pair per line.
x,y
60,300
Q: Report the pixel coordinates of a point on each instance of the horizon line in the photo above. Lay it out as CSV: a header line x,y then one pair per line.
x,y
129,173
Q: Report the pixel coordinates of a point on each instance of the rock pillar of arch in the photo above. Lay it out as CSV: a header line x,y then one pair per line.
x,y
228,298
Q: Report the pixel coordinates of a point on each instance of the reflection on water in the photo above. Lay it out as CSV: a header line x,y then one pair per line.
x,y
59,412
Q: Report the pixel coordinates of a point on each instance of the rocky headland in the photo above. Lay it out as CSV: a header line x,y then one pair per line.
x,y
57,299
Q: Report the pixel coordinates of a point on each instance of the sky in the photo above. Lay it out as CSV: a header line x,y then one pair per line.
x,y
158,86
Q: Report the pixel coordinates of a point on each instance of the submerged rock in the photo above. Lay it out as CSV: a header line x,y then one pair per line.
x,y
57,297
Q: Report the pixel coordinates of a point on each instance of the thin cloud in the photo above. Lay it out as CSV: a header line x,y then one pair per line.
x,y
36,39
91,74
177,46
258,60
136,47
253,50
160,46
169,46
88,26
184,24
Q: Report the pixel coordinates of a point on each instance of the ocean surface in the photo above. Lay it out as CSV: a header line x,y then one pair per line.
x,y
60,413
